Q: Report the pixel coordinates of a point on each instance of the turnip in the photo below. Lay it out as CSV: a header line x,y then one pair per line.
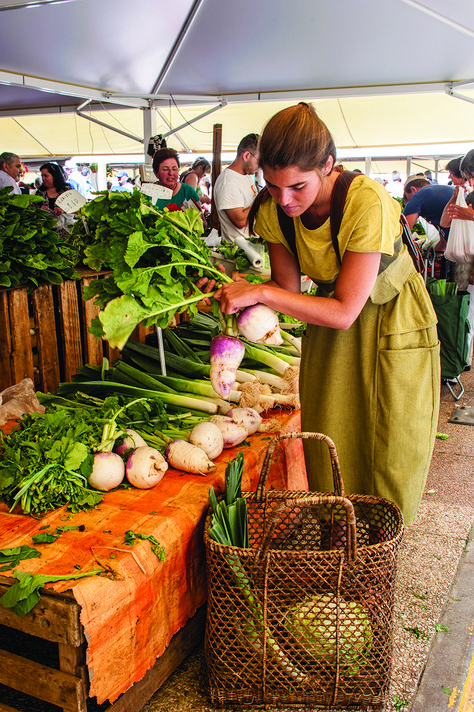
x,y
226,354
248,417
232,432
145,467
108,471
187,457
131,441
260,325
208,437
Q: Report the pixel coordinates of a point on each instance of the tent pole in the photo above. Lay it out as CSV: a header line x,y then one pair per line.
x,y
147,134
216,169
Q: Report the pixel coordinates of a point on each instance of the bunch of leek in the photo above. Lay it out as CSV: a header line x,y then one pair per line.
x,y
229,526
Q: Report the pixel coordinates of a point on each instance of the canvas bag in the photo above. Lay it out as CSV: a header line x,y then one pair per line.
x,y
460,246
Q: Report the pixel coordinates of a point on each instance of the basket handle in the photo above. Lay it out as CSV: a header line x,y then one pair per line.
x,y
351,532
336,469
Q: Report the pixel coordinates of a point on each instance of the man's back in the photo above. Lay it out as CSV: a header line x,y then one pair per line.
x,y
233,190
429,202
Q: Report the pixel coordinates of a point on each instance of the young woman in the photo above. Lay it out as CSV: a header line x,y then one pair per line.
x,y
370,374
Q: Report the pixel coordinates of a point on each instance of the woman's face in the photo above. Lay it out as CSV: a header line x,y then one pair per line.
x,y
455,180
295,190
47,178
168,173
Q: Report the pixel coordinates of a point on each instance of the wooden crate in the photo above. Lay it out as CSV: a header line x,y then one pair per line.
x,y
45,333
55,620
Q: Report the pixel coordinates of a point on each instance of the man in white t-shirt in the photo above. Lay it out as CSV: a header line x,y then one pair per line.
x,y
10,169
235,189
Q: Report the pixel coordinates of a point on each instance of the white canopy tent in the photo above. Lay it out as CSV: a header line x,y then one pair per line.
x,y
87,77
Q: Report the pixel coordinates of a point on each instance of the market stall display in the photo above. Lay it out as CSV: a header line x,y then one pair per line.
x,y
140,600
114,468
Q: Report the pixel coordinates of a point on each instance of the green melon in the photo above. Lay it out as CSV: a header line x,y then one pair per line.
x,y
313,623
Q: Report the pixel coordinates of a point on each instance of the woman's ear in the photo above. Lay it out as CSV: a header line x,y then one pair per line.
x,y
329,166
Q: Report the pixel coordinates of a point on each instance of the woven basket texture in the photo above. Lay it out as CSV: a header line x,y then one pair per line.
x,y
304,615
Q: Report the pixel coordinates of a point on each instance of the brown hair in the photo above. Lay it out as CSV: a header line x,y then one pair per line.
x,y
162,155
295,136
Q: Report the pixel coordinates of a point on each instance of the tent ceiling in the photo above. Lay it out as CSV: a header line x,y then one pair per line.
x,y
377,70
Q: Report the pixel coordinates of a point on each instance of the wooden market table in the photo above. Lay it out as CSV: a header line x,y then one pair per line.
x,y
121,634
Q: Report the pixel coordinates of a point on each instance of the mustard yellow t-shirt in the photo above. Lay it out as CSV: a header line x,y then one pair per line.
x,y
370,223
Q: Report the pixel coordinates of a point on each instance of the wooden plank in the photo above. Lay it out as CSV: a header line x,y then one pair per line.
x,y
216,169
181,645
5,342
73,660
93,350
69,329
6,708
21,365
52,618
139,334
44,683
47,340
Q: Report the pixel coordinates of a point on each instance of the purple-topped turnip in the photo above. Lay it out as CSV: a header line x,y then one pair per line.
x,y
130,441
226,354
108,471
146,466
188,458
260,325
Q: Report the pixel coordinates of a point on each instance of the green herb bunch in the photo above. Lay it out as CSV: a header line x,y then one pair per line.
x,y
30,249
47,459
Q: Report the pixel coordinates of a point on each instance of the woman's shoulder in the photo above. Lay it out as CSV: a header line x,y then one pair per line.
x,y
188,191
364,193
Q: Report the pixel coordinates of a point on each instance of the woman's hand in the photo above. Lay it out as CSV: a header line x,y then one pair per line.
x,y
453,211
234,297
57,211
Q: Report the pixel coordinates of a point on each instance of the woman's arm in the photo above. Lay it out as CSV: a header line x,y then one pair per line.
x,y
354,285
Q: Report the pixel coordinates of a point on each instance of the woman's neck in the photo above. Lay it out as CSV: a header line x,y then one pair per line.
x,y
320,210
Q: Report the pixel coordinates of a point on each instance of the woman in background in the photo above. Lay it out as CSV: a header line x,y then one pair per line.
x,y
166,170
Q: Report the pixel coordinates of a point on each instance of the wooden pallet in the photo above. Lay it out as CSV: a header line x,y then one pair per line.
x,y
56,619
45,333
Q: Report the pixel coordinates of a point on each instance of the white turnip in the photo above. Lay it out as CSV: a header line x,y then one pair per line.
x,y
248,417
130,441
188,458
226,354
145,467
108,471
232,432
260,325
208,437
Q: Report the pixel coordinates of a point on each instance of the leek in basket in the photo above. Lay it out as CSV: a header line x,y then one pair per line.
x,y
229,527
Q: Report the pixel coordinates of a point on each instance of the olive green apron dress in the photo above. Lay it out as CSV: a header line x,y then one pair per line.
x,y
374,390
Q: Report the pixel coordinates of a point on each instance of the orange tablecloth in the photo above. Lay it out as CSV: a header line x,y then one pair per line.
x,y
129,620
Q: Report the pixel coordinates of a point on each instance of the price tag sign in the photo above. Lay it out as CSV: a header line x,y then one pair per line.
x,y
71,201
155,192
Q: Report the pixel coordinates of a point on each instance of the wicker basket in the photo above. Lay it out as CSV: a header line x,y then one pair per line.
x,y
304,615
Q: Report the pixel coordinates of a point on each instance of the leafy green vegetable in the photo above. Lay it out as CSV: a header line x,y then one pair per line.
x,y
154,257
9,558
418,633
24,595
131,537
442,628
30,249
398,703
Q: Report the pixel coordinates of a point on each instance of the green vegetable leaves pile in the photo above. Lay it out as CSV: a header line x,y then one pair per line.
x,y
30,249
47,459
154,256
